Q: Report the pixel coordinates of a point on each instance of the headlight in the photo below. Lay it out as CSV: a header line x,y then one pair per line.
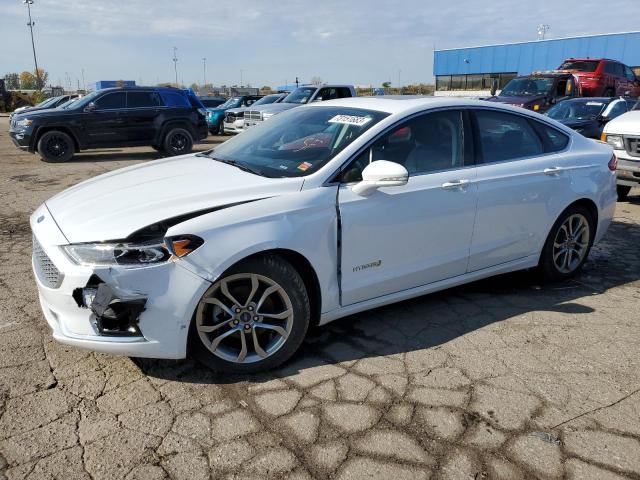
x,y
615,141
132,254
24,122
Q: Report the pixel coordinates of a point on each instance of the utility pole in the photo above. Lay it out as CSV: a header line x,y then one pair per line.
x,y
399,73
175,63
84,85
241,71
204,71
33,45
297,82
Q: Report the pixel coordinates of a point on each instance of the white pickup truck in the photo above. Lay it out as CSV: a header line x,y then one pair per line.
x,y
300,96
623,134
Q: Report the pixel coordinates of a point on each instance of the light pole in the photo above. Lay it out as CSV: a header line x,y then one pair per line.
x,y
399,73
33,45
175,63
84,85
204,71
542,30
241,71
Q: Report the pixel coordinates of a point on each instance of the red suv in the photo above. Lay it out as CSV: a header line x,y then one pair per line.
x,y
602,77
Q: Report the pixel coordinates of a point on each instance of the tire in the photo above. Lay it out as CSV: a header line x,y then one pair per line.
x,y
217,315
55,146
177,141
220,130
623,192
553,263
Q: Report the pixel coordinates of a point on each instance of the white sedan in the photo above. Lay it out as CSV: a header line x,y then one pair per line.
x,y
324,211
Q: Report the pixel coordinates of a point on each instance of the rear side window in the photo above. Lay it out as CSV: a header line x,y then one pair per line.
x,y
554,140
504,136
143,99
175,99
111,101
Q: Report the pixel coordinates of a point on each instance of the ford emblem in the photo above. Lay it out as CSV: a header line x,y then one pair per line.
x,y
40,218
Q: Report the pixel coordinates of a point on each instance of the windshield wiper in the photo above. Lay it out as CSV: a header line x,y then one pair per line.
x,y
241,166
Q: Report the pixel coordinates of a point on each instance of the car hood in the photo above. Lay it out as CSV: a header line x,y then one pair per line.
x,y
576,123
236,110
114,205
48,112
518,100
275,107
626,124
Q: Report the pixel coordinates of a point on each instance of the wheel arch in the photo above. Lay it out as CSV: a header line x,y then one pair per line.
x,y
48,128
169,124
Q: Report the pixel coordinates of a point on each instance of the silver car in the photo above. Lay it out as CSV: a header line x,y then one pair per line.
x,y
234,117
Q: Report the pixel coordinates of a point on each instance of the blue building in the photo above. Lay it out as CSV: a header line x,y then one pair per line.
x,y
474,68
113,83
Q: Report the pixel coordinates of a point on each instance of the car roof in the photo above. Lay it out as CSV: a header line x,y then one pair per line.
x,y
403,103
594,99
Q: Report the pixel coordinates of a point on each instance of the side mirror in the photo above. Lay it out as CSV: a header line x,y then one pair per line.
x,y
90,106
568,90
380,173
494,88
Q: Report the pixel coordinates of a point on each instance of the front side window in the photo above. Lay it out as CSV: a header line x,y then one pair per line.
x,y
297,142
111,101
143,99
428,143
504,136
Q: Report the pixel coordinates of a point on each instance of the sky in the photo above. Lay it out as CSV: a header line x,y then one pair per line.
x,y
262,42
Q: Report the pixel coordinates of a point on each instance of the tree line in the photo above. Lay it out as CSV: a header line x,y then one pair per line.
x,y
26,80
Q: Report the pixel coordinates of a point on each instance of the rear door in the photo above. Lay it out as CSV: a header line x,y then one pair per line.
x,y
106,123
521,177
142,115
406,236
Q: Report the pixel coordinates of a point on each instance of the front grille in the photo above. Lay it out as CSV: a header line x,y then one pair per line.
x,y
46,271
632,145
253,115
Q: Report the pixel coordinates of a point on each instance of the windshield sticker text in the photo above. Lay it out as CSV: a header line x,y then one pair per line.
x,y
350,120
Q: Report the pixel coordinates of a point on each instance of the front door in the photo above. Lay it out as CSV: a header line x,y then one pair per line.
x,y
105,125
521,181
403,237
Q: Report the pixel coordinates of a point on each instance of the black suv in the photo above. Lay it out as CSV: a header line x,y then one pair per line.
x,y
167,119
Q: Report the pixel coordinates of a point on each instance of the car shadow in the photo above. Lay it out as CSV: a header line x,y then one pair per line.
x,y
430,321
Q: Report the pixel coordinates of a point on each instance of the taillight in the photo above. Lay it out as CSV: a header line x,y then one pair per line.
x,y
613,163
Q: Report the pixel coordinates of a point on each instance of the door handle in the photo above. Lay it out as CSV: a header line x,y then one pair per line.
x,y
552,171
455,184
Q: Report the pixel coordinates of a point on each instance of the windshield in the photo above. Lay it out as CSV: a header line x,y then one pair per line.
x,y
47,102
576,110
266,100
300,95
233,102
68,103
211,102
580,65
528,86
298,142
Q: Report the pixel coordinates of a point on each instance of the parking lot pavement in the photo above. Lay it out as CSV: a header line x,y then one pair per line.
x,y
505,378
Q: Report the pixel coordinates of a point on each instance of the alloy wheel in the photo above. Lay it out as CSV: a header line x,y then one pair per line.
x,y
56,146
178,142
571,243
244,318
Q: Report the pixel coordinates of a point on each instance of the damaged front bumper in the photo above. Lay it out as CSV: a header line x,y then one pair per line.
x,y
138,312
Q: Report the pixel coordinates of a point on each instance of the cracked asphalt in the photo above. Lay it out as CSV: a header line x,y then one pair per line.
x,y
506,378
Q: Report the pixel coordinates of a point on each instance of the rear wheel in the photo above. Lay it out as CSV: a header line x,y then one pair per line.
x,y
568,243
178,141
623,191
55,146
253,319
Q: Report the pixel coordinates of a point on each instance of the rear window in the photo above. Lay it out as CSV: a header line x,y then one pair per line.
x,y
175,99
554,140
580,65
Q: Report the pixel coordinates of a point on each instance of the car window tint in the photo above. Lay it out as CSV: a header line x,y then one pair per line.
x,y
143,99
424,144
504,136
618,109
175,99
554,140
111,100
344,92
629,74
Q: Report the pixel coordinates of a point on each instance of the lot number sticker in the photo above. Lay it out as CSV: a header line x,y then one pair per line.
x,y
350,120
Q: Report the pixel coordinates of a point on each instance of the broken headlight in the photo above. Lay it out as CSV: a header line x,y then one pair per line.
x,y
109,254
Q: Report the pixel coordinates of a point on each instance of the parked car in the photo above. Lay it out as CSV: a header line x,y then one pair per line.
x,y
215,116
300,96
167,119
588,116
603,77
234,117
53,102
623,134
324,211
212,102
538,91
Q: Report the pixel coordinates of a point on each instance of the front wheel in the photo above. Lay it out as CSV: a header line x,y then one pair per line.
x,y
623,191
568,244
178,141
55,147
253,319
